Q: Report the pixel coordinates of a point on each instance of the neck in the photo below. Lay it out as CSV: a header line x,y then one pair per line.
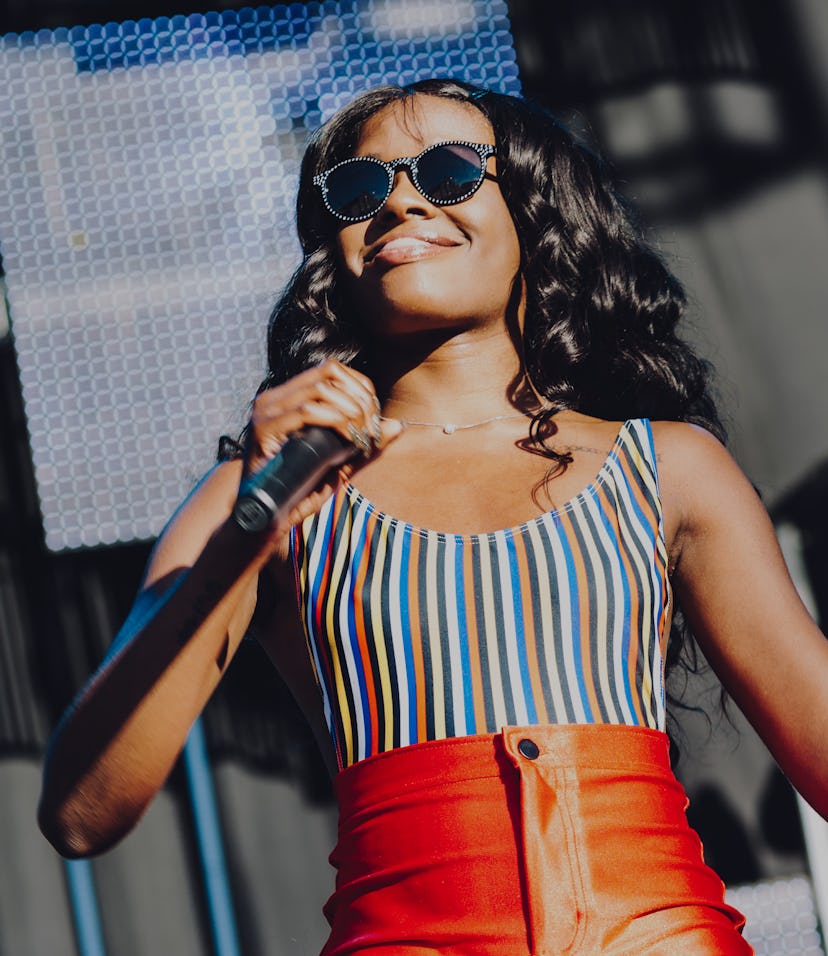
x,y
461,378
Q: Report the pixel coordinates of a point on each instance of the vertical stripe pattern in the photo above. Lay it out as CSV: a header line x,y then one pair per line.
x,y
418,635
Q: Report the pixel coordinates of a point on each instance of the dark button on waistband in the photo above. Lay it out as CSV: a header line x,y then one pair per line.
x,y
529,748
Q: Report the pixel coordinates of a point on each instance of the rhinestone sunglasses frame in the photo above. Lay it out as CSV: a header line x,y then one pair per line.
x,y
410,163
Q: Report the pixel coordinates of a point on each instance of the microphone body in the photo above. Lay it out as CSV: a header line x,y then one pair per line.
x,y
289,476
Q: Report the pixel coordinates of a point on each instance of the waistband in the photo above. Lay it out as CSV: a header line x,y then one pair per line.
x,y
419,766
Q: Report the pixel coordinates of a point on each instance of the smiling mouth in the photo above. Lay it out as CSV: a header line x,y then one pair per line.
x,y
409,249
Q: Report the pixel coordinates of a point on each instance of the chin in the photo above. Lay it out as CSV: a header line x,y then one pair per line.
x,y
413,293
433,324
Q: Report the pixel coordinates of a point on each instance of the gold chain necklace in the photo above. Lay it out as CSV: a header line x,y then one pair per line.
x,y
449,428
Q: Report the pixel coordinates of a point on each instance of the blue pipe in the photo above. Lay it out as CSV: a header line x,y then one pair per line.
x,y
83,901
210,845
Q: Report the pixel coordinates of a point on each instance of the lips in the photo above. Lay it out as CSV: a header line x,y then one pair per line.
x,y
408,248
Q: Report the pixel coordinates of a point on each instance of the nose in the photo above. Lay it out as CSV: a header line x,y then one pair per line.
x,y
404,199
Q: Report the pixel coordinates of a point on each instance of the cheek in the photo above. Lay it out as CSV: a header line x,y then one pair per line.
x,y
513,257
505,257
511,240
497,226
348,247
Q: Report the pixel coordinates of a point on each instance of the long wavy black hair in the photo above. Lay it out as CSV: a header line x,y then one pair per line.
x,y
602,309
603,312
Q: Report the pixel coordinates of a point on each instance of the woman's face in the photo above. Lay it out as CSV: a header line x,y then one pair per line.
x,y
415,266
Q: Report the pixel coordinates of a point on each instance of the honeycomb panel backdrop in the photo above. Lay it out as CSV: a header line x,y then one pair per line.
x,y
147,223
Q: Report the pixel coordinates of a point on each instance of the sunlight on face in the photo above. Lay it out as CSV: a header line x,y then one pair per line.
x,y
415,266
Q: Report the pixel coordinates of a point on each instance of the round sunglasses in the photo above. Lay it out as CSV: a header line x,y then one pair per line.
x,y
445,173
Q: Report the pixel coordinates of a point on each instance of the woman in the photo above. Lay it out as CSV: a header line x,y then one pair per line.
x,y
491,701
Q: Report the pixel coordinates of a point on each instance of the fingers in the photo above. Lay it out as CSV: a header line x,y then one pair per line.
x,y
330,395
390,428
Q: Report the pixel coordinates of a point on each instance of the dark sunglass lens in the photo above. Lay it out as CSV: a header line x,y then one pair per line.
x,y
358,189
449,173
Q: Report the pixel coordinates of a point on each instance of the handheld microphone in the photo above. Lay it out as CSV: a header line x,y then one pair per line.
x,y
289,476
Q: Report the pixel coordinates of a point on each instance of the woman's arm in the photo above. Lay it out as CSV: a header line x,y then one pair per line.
x,y
119,740
733,585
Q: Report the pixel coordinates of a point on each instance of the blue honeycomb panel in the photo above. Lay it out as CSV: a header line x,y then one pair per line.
x,y
146,223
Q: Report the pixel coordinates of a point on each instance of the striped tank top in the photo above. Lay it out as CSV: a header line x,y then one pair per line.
x,y
418,635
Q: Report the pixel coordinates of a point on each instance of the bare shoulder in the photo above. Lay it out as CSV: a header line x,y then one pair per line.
x,y
693,462
702,486
680,443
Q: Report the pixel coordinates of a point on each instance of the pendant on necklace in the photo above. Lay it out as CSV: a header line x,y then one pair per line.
x,y
449,428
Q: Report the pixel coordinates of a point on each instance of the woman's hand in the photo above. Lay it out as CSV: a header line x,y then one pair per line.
x,y
331,395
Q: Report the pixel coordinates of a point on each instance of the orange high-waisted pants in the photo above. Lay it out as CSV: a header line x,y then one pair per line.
x,y
538,841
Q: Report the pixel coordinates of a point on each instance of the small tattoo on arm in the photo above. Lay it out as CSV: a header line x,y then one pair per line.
x,y
596,451
586,448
